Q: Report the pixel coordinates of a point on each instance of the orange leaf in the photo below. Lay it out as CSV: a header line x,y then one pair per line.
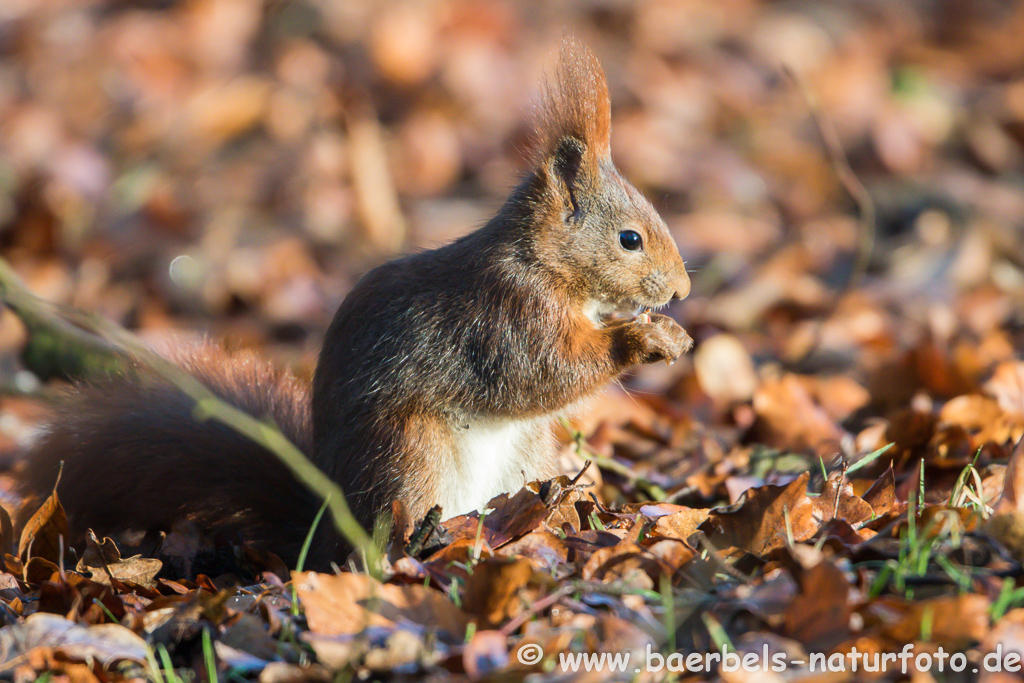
x,y
46,533
762,519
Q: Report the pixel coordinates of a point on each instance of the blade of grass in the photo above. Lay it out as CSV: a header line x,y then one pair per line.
x,y
868,459
208,657
301,563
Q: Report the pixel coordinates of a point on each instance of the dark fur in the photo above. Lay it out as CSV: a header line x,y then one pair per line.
x,y
493,326
135,457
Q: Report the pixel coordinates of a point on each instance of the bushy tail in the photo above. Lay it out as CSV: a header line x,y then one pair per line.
x,y
136,458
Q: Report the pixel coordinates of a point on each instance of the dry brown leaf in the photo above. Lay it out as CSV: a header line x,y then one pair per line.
x,y
882,494
1007,635
565,514
622,561
764,518
1008,528
136,570
485,653
98,553
492,591
13,565
379,212
671,554
107,643
512,515
1007,387
819,615
6,532
221,113
345,604
1012,498
46,533
634,565
840,396
39,569
463,551
910,429
247,633
681,524
849,507
725,370
544,549
954,621
790,417
981,417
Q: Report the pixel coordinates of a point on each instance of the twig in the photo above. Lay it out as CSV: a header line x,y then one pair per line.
x,y
57,343
583,470
839,489
423,531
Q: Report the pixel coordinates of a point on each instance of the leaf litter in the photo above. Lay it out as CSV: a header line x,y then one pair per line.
x,y
835,466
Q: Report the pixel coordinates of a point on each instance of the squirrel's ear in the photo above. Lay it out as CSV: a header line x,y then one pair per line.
x,y
575,107
566,162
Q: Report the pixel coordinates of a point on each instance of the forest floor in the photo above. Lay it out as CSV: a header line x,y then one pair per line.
x,y
835,473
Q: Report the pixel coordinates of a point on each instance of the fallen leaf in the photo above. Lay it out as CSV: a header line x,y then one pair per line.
x,y
819,615
725,370
104,562
107,643
512,515
337,604
838,395
39,569
6,532
882,494
1007,387
492,590
789,417
544,549
954,621
838,501
1012,498
46,533
681,524
247,633
764,518
981,417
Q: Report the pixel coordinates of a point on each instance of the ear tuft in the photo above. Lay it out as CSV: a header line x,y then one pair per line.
x,y
575,102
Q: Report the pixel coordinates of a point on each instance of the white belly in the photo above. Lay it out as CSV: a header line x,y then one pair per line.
x,y
491,457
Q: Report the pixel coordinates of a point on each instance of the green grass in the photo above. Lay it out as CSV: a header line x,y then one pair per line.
x,y
1010,597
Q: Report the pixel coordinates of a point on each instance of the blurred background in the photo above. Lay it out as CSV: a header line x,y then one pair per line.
x,y
230,167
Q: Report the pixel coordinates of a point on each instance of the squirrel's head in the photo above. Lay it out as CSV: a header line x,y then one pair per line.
x,y
596,231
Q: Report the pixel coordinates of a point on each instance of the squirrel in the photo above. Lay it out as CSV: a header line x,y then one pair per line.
x,y
439,376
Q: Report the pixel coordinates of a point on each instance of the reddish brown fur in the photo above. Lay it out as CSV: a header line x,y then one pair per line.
x,y
437,376
575,102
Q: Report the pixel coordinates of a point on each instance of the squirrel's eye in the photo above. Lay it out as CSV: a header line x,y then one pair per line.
x,y
630,240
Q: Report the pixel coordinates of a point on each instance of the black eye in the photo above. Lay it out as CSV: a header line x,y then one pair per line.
x,y
630,240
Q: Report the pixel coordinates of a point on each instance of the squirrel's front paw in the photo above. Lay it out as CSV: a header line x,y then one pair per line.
x,y
660,338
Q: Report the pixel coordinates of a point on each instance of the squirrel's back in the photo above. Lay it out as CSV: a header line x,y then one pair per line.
x,y
134,453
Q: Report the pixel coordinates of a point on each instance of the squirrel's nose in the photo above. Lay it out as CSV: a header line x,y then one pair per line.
x,y
682,286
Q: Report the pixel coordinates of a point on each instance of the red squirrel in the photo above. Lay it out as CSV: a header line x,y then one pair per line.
x,y
439,376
